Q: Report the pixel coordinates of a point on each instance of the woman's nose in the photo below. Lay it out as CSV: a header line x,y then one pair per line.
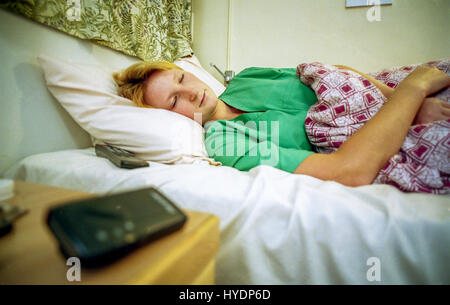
x,y
191,94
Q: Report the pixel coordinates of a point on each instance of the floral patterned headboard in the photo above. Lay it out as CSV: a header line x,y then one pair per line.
x,y
148,29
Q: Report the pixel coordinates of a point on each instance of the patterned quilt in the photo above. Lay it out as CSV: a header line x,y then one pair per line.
x,y
346,100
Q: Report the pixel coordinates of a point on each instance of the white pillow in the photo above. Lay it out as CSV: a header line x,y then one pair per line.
x,y
192,65
89,95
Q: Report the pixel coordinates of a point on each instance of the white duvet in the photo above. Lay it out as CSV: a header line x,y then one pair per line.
x,y
280,228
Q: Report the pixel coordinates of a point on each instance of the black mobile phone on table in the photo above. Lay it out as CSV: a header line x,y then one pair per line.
x,y
102,229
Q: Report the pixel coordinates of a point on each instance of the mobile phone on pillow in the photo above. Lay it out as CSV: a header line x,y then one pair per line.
x,y
102,229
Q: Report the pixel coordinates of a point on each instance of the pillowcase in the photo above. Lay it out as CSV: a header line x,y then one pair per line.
x,y
89,94
192,65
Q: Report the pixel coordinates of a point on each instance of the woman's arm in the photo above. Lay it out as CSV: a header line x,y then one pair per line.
x,y
432,109
386,90
360,158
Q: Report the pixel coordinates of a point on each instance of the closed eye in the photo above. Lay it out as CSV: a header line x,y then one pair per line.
x,y
176,97
174,101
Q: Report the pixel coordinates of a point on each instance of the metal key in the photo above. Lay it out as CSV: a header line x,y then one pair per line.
x,y
8,214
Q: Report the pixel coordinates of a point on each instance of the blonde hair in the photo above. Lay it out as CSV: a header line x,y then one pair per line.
x,y
131,80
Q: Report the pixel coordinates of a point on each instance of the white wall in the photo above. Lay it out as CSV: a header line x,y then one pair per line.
x,y
283,33
210,18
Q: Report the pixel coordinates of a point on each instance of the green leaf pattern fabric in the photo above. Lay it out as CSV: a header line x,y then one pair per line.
x,y
148,29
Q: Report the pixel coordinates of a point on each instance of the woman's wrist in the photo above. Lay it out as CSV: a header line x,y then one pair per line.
x,y
414,88
427,80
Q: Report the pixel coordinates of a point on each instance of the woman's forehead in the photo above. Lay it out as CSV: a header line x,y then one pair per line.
x,y
158,87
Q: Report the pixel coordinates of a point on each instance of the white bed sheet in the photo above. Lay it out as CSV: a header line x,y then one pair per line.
x,y
280,228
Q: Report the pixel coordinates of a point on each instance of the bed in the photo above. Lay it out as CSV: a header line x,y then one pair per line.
x,y
276,227
279,228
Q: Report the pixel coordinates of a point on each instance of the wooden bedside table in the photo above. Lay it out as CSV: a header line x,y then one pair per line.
x,y
30,254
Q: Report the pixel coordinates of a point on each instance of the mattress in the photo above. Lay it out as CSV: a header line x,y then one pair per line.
x,y
281,228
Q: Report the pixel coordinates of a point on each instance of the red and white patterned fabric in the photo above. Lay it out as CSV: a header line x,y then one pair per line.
x,y
346,100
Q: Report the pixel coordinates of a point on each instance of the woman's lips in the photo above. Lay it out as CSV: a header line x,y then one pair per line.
x,y
203,98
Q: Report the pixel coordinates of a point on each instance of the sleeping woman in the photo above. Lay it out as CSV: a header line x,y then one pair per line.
x,y
260,117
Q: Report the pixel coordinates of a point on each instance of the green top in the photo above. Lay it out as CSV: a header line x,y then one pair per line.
x,y
272,132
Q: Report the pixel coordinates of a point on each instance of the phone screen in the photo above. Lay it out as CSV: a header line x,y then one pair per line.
x,y
100,227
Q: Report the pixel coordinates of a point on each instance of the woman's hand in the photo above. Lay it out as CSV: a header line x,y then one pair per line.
x,y
432,109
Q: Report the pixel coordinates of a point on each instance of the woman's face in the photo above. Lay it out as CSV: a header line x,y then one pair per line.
x,y
180,91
